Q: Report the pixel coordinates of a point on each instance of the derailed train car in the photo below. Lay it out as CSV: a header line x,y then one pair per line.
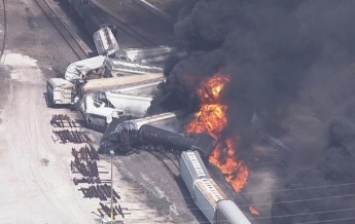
x,y
192,168
149,134
206,194
120,136
105,41
158,132
227,212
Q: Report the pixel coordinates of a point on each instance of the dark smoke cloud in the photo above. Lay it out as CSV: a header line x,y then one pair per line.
x,y
291,64
325,191
268,46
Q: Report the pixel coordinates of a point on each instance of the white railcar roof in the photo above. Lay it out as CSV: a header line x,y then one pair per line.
x,y
210,190
90,63
232,212
194,164
121,81
138,123
58,81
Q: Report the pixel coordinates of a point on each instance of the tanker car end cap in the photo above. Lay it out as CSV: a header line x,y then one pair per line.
x,y
204,144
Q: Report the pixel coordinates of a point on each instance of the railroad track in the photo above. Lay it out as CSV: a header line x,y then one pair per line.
x,y
4,26
62,29
126,28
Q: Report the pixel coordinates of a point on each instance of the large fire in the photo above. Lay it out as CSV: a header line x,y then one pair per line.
x,y
212,119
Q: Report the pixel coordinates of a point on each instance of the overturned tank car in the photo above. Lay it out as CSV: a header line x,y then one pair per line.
x,y
161,130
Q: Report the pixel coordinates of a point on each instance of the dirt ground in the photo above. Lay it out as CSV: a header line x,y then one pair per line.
x,y
30,189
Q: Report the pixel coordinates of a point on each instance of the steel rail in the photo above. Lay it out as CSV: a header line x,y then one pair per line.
x,y
62,29
126,28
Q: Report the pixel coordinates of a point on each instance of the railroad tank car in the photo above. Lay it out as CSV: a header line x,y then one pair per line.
x,y
160,136
119,135
118,67
130,104
228,212
149,134
156,120
206,194
145,89
140,55
192,168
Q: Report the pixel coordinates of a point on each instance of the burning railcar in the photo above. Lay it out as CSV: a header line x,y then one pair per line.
x,y
154,130
117,135
206,194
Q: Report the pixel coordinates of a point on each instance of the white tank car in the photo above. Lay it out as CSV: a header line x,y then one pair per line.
x,y
130,104
144,89
140,54
205,192
133,100
192,168
156,120
229,213
162,58
117,67
122,82
97,106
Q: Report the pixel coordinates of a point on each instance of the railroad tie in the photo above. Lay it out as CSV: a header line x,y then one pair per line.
x,y
79,137
116,194
73,123
86,137
102,194
69,136
107,191
61,121
119,210
69,122
83,169
74,152
60,135
94,169
89,153
76,137
82,139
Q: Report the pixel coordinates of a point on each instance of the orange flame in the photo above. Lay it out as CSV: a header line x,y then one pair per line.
x,y
211,90
253,211
235,171
212,119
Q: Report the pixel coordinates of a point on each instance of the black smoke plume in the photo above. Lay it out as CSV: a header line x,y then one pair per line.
x,y
291,65
324,192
